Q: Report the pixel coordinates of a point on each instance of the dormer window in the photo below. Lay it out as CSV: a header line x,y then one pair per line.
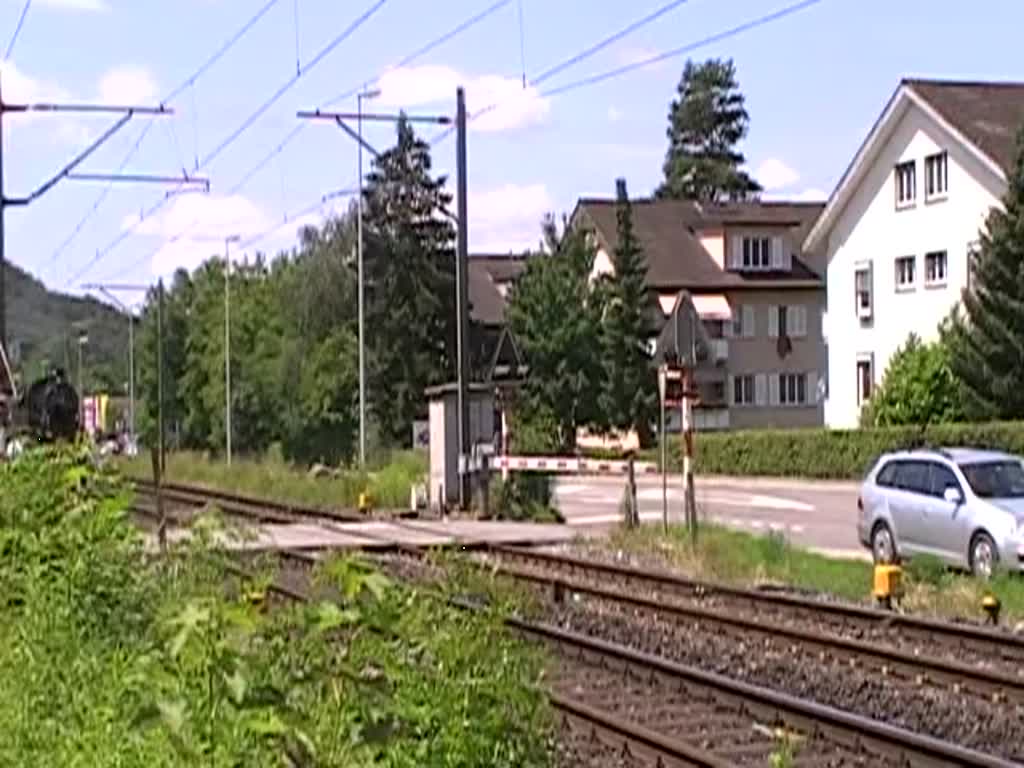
x,y
757,253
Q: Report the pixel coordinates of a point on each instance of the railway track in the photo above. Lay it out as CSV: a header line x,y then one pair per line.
x,y
946,649
621,707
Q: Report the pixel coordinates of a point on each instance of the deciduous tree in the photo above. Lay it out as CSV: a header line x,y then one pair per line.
x,y
918,388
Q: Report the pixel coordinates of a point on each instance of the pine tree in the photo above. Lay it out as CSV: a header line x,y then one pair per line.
x,y
555,325
706,122
629,395
409,263
986,340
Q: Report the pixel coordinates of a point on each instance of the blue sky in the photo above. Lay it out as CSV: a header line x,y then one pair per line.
x,y
814,82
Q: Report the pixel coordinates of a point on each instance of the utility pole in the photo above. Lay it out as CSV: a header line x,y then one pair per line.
x,y
461,299
370,94
67,172
357,135
227,344
83,339
160,378
106,290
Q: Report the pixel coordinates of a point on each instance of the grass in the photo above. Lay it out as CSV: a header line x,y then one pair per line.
x,y
389,486
734,557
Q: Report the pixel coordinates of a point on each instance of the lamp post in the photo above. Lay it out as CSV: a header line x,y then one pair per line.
x,y
367,94
83,339
227,344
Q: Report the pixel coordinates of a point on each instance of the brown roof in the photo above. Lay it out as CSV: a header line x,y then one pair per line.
x,y
486,304
675,257
988,114
502,268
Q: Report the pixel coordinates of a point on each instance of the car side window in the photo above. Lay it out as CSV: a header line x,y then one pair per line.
x,y
913,476
887,475
942,477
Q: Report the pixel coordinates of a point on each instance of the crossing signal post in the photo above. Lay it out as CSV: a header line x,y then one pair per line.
x,y
675,387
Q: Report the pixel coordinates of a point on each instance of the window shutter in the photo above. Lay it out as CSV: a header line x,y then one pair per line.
x,y
730,390
773,389
749,322
735,258
812,387
760,389
773,321
778,259
798,313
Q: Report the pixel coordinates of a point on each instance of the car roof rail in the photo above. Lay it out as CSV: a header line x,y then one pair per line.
x,y
921,444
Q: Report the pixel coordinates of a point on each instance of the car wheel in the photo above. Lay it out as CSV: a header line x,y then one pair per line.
x,y
883,546
983,557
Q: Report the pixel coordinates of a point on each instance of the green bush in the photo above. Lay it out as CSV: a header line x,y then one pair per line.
x,y
831,454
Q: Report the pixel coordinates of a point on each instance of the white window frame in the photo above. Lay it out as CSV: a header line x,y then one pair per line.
x,y
904,177
756,253
863,309
787,389
744,321
903,286
937,166
941,257
744,385
973,251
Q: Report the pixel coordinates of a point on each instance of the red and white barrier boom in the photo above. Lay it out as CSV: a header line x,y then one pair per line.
x,y
571,465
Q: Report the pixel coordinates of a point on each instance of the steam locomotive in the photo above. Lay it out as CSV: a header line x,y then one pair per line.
x,y
48,411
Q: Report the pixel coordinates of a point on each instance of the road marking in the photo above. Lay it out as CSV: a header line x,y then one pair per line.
x,y
568,490
729,499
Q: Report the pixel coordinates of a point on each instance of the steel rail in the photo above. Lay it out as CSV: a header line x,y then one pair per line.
x,y
1002,641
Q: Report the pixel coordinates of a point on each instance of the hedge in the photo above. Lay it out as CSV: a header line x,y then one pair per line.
x,y
831,454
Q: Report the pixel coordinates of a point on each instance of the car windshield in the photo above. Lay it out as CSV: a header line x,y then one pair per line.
x,y
995,479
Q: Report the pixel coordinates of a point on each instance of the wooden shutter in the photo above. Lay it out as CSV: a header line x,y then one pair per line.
x,y
730,390
734,259
749,322
761,389
796,317
773,321
778,254
773,389
812,387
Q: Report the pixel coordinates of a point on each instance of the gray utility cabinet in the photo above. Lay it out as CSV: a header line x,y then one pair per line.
x,y
444,437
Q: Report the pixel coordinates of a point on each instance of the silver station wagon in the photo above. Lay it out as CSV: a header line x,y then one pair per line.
x,y
962,505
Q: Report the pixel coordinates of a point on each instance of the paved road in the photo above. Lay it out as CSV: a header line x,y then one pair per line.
x,y
821,515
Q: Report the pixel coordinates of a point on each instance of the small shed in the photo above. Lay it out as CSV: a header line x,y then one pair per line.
x,y
444,437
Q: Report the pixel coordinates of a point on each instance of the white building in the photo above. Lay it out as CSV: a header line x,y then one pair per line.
x,y
898,231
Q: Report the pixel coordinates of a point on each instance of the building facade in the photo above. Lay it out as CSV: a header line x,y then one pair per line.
x,y
759,297
898,233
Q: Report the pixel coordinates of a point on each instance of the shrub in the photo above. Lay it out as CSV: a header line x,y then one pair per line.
x,y
832,454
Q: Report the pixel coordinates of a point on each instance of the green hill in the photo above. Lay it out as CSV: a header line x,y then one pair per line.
x,y
43,327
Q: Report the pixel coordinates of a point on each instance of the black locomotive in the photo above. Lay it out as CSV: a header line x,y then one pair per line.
x,y
52,408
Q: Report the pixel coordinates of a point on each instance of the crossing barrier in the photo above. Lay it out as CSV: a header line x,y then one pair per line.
x,y
570,465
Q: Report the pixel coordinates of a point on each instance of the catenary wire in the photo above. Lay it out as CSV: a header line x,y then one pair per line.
x,y
17,29
239,131
297,129
188,82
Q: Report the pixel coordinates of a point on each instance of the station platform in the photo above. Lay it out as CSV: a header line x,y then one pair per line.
x,y
382,535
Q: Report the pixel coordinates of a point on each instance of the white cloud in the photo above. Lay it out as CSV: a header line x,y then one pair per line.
x,y
129,85
90,6
513,106
508,217
630,55
614,114
773,174
20,87
809,195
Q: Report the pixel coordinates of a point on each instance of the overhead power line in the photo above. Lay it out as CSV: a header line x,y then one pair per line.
x,y
17,29
761,21
188,82
241,129
293,133
610,74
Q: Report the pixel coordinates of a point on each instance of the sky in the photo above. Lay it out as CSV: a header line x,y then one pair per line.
x,y
814,82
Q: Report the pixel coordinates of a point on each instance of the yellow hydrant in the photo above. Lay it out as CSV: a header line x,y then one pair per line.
x,y
365,503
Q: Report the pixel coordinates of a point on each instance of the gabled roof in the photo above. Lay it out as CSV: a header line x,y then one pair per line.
x,y
983,116
502,268
486,304
676,259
